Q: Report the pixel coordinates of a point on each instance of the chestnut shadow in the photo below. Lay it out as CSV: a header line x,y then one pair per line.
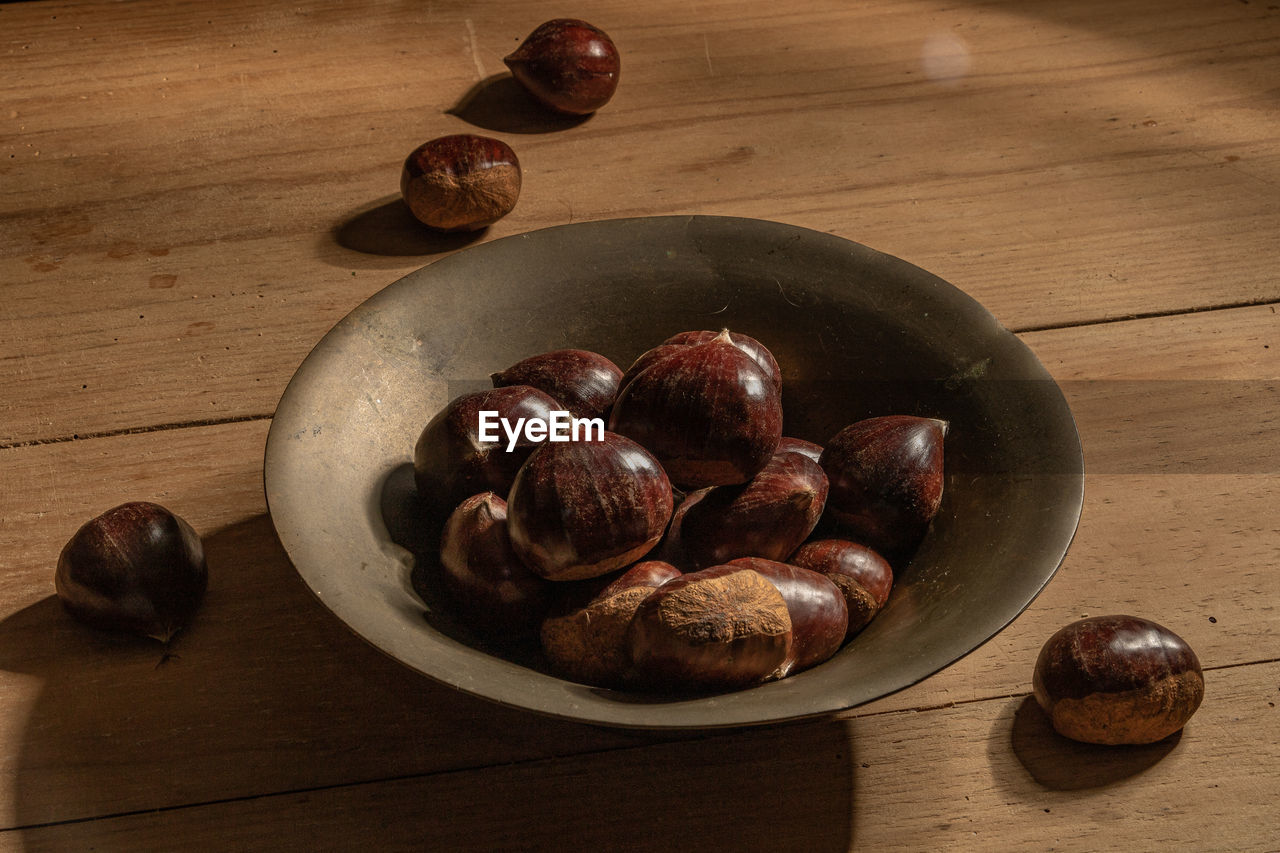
x,y
415,526
387,228
1058,763
501,104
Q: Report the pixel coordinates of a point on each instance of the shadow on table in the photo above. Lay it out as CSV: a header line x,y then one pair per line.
x,y
498,103
1061,764
387,228
268,714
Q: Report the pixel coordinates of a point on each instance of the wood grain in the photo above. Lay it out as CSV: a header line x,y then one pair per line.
x,y
191,194
280,682
179,230
1004,780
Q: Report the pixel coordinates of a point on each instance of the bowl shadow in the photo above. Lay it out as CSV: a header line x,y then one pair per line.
x,y
266,692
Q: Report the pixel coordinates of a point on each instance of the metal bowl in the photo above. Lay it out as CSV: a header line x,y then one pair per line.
x,y
858,333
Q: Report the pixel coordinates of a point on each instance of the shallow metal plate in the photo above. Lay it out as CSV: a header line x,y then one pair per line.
x,y
857,333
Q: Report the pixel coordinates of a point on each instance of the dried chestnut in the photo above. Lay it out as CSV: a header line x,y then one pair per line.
x,y
1117,680
720,628
462,182
137,568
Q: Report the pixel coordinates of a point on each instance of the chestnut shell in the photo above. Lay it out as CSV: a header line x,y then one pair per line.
x,y
451,463
486,582
709,413
137,568
567,65
586,508
1117,680
819,616
724,627
584,382
585,636
767,517
863,576
462,182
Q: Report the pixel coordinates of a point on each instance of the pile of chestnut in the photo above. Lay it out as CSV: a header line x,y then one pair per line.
x,y
673,550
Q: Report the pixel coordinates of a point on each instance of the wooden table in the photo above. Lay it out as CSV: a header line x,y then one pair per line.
x,y
192,193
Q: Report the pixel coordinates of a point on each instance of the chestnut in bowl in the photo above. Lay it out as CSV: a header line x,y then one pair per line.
x,y
708,411
585,635
582,509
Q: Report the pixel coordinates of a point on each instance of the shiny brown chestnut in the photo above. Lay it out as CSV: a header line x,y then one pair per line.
x,y
585,636
486,582
567,65
718,629
1117,680
582,509
789,444
583,382
461,182
451,463
819,617
863,576
709,413
886,480
137,568
749,345
767,517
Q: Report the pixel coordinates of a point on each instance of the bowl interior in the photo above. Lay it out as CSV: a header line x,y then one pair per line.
x,y
857,333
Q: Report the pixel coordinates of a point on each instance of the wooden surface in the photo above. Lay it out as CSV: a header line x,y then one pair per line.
x,y
192,193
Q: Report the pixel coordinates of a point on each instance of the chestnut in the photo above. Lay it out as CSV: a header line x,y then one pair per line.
x,y
752,347
583,382
1117,680
798,445
581,509
886,480
721,628
749,345
451,463
708,411
567,65
863,576
767,517
461,182
484,579
819,618
137,568
584,638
